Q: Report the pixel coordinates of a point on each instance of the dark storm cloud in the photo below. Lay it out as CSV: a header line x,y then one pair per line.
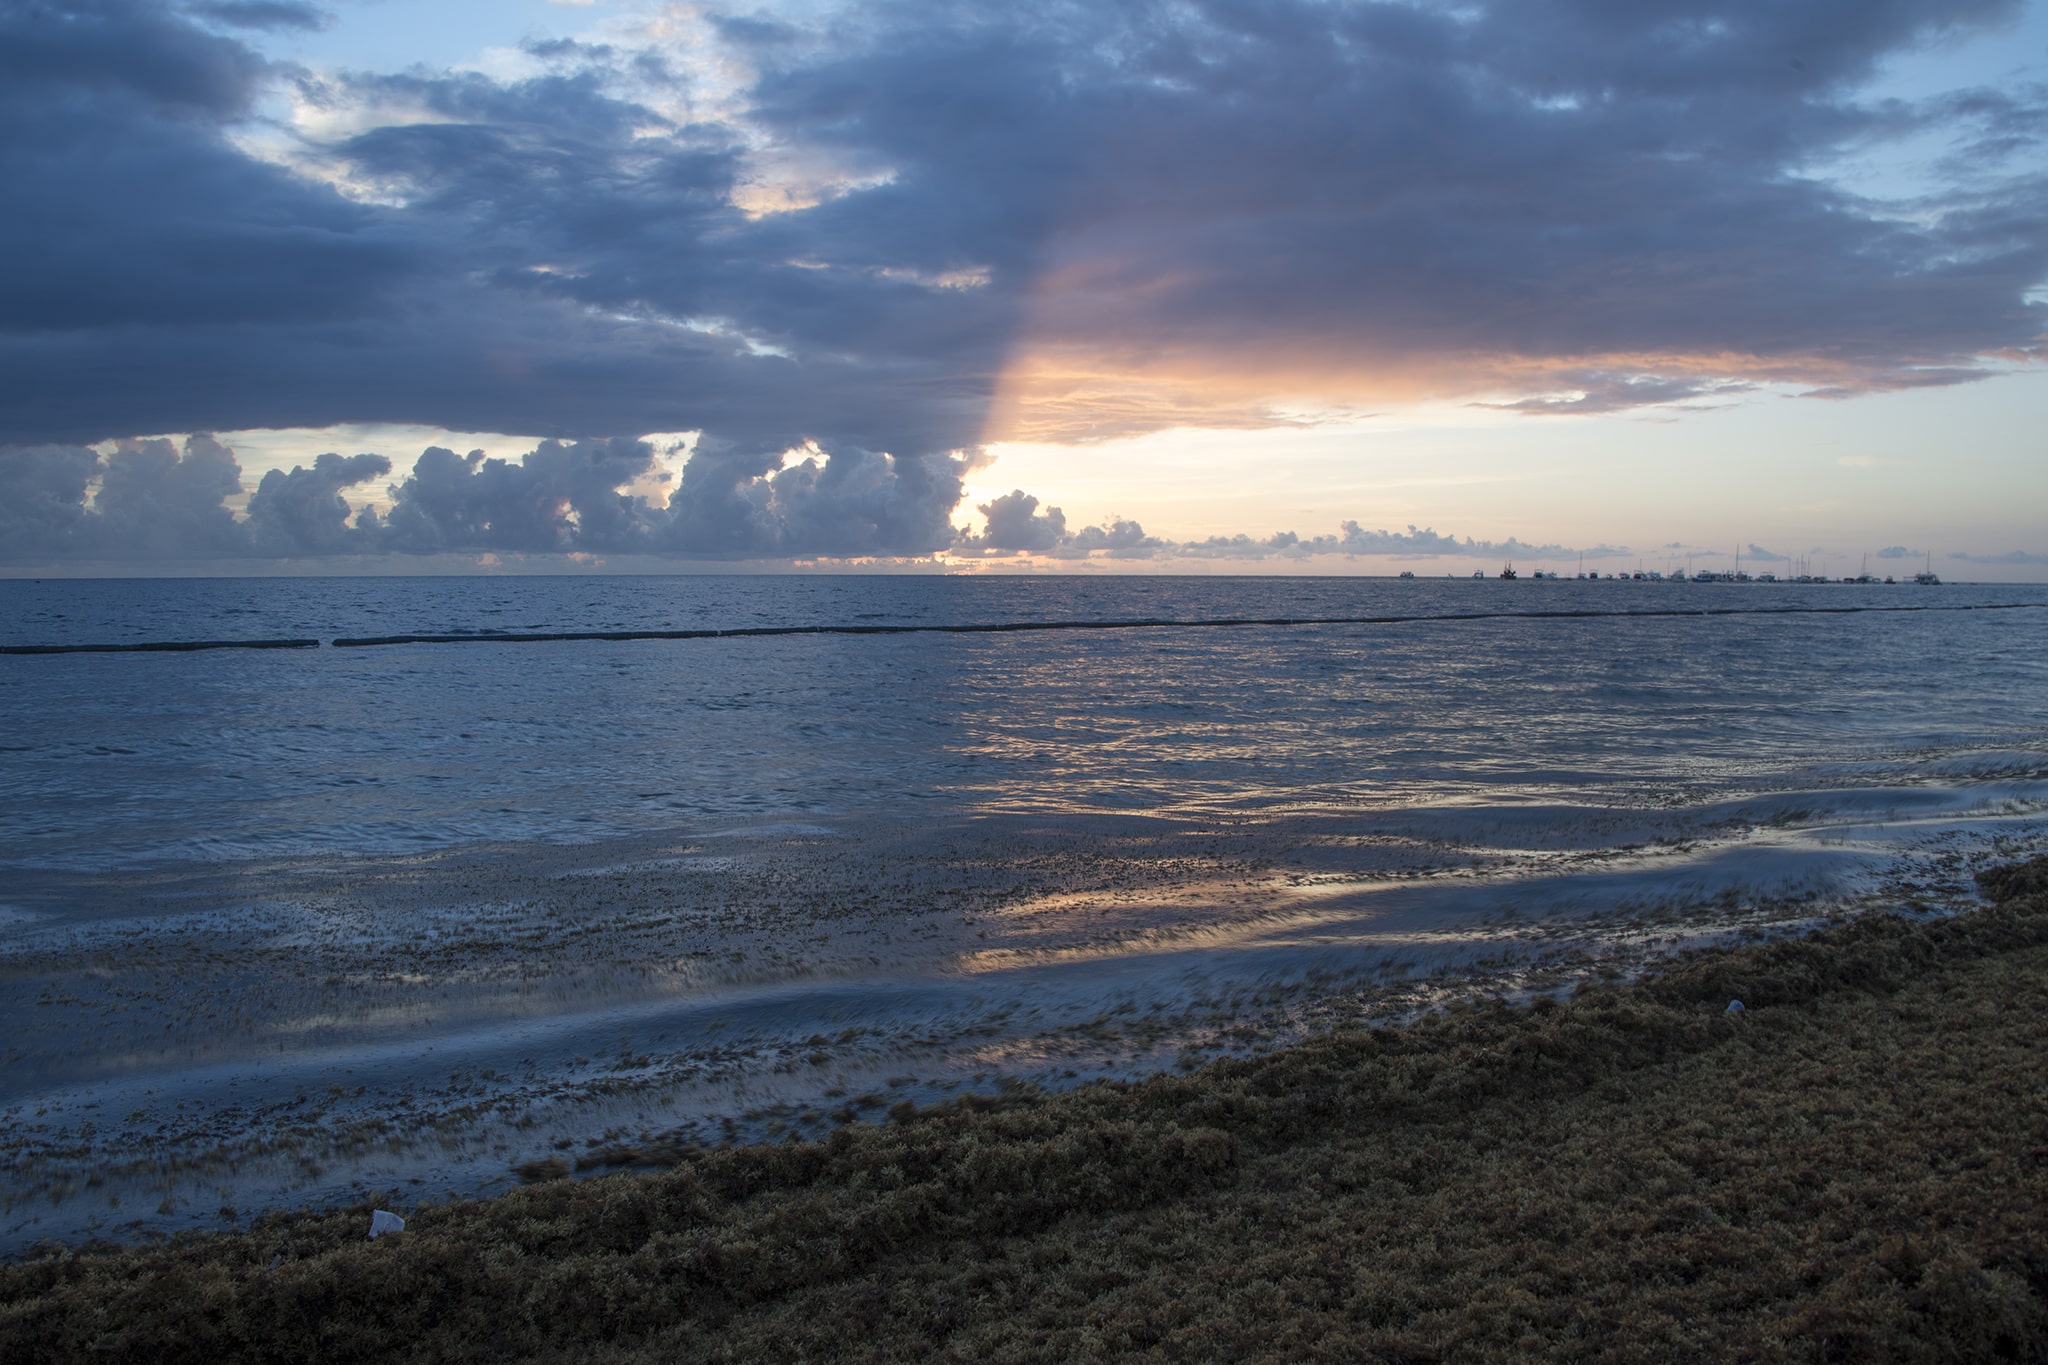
x,y
1557,205
1535,181
54,53
132,229
261,14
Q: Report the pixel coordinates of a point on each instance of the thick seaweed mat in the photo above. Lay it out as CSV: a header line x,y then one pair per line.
x,y
1855,1167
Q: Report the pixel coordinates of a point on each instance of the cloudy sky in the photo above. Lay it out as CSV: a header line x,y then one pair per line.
x,y
1324,285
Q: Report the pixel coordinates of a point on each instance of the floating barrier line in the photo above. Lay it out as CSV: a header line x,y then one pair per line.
x,y
1138,623
160,647
988,627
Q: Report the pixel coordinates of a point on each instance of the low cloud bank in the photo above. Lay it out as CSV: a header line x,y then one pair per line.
x,y
149,501
2009,557
155,503
1016,525
152,503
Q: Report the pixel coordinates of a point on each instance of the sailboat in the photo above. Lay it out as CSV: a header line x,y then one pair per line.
x,y
1927,578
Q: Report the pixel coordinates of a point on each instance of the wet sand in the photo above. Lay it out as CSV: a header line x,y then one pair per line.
x,y
191,1046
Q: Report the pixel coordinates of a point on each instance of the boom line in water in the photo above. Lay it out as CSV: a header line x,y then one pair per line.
x,y
990,627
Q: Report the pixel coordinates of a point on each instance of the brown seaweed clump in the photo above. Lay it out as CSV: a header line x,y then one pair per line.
x,y
1854,1167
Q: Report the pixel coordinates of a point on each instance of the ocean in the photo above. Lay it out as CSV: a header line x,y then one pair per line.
x,y
287,925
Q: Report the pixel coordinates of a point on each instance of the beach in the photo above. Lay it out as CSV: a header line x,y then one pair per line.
x,y
1848,1167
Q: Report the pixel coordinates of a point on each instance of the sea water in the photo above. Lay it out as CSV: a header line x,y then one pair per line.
x,y
110,759
286,925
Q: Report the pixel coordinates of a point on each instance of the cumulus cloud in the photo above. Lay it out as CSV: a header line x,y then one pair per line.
x,y
557,499
151,500
303,512
737,501
155,501
910,230
851,503
42,500
1121,539
1013,524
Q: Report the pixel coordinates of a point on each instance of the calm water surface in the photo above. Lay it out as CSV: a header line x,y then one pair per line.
x,y
110,759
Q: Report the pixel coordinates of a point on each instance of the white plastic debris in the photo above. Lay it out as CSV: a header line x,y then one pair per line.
x,y
382,1222
1734,1007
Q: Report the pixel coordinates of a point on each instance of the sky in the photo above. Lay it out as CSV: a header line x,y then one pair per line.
x,y
1331,286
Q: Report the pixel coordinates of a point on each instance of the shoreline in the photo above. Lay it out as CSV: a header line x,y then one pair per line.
x,y
542,1036
1856,1157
